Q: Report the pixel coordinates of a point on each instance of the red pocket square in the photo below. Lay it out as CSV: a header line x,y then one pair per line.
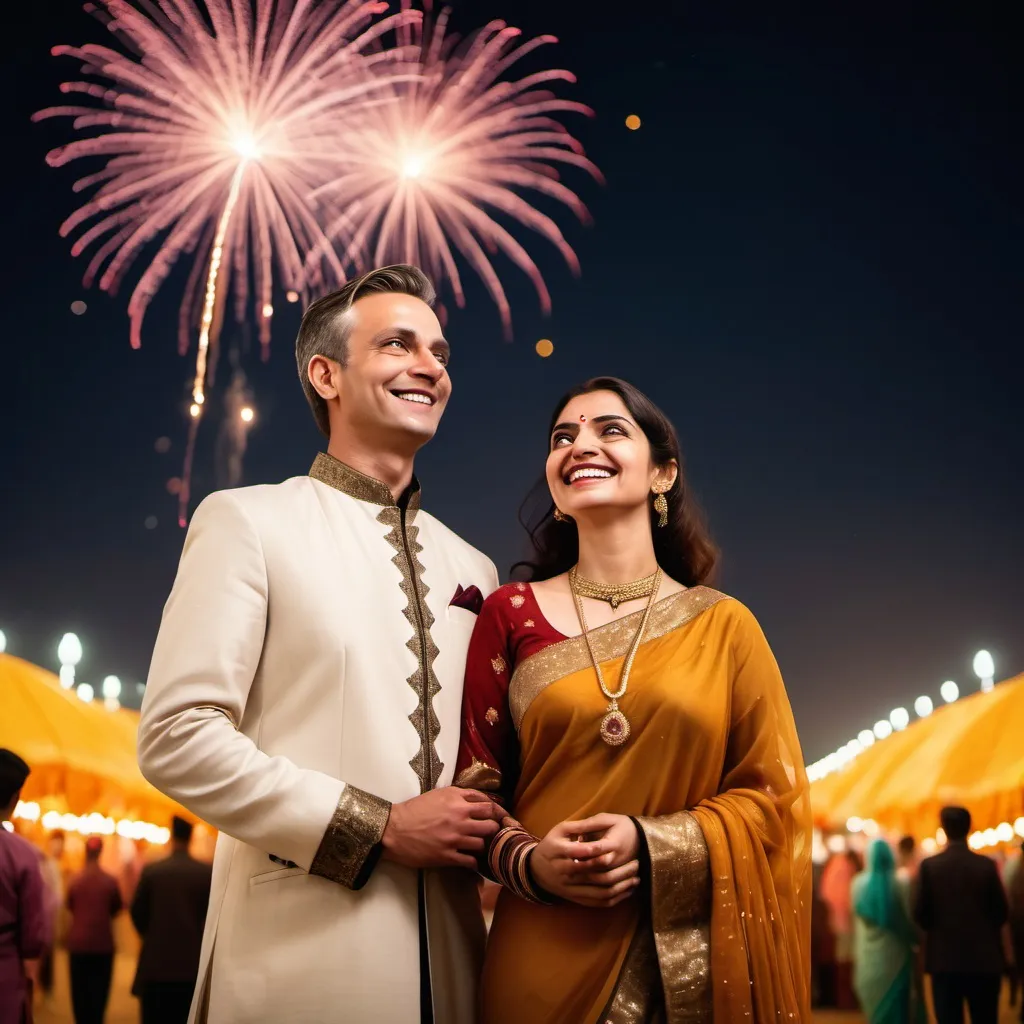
x,y
469,598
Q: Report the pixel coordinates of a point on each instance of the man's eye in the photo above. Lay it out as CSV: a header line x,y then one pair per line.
x,y
441,358
395,341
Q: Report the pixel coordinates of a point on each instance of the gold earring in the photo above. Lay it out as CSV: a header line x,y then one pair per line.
x,y
661,507
561,516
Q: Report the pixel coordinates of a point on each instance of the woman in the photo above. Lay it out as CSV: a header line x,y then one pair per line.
x,y
634,722
884,942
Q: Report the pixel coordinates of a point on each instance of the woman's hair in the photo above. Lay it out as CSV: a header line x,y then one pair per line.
x,y
683,548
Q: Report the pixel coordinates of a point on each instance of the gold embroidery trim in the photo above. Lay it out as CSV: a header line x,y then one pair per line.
x,y
479,775
540,670
635,997
423,680
328,470
355,829
681,914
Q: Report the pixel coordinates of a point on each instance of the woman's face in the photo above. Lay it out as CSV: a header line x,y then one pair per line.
x,y
599,458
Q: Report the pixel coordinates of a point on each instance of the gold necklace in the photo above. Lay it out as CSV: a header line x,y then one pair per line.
x,y
614,593
615,726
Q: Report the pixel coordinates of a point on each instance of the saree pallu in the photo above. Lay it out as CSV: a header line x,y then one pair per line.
x,y
713,775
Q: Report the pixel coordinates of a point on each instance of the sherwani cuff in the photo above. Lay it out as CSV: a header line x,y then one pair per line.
x,y
351,846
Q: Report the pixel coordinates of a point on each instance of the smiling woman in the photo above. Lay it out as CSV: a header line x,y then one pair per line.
x,y
634,723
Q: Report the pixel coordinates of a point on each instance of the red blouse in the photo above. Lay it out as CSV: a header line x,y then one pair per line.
x,y
509,629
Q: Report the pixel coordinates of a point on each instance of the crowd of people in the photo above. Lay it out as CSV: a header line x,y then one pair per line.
x,y
42,905
883,922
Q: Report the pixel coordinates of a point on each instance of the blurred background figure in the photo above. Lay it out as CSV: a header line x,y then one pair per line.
x,y
93,901
1013,878
23,925
885,943
836,881
52,868
961,906
906,859
169,911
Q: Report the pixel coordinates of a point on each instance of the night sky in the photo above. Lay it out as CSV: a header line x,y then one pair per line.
x,y
810,255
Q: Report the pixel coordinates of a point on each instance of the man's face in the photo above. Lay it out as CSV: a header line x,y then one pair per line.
x,y
394,385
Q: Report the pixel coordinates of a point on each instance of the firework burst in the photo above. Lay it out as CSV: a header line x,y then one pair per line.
x,y
427,174
214,125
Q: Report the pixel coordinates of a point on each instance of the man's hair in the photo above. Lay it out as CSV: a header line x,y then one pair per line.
x,y
13,773
956,823
907,845
181,829
325,329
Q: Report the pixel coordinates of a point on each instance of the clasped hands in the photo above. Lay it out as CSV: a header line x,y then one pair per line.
x,y
592,862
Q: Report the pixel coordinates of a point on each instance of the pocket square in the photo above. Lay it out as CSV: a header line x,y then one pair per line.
x,y
469,598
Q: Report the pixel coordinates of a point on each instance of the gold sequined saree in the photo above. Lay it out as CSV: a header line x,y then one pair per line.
x,y
713,775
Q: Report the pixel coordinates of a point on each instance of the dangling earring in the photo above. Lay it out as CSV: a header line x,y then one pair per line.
x,y
561,516
661,507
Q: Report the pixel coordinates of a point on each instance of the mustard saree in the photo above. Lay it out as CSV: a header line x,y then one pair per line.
x,y
713,776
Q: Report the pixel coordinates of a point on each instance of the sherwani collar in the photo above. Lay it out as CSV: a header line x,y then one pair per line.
x,y
329,470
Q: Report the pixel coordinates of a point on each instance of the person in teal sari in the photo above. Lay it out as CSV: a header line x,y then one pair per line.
x,y
884,943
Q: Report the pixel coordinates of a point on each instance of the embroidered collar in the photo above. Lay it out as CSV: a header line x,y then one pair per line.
x,y
328,470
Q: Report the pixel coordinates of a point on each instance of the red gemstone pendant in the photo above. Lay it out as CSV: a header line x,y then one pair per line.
x,y
615,727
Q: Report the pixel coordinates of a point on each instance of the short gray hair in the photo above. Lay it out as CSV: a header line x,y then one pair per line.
x,y
324,329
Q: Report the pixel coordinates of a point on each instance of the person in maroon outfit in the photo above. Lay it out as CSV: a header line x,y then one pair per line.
x,y
94,900
23,925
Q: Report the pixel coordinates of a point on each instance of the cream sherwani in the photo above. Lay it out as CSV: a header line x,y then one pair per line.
x,y
308,673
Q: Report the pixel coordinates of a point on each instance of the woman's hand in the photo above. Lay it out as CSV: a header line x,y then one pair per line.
x,y
591,862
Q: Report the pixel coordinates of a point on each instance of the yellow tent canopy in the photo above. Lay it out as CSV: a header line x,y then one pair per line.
x,y
967,753
82,756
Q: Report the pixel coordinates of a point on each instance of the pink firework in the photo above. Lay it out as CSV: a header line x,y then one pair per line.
x,y
425,174
214,128
214,125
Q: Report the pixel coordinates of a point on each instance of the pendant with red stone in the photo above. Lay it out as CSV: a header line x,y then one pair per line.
x,y
614,726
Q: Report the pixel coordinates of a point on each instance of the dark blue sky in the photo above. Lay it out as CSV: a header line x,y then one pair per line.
x,y
810,255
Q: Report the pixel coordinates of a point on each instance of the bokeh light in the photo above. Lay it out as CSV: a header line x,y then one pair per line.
x,y
78,307
544,348
162,445
150,522
268,310
292,296
633,122
174,485
246,414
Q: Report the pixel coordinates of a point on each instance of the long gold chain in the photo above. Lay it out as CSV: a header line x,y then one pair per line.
x,y
633,647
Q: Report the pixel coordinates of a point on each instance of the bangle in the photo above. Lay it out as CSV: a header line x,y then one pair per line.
x,y
508,860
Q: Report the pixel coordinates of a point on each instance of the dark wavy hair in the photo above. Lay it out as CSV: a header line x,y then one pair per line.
x,y
683,548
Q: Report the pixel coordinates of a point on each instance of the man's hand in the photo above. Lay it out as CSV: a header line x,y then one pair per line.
x,y
591,862
441,828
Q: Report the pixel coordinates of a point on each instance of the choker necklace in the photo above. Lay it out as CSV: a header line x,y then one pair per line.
x,y
614,728
613,593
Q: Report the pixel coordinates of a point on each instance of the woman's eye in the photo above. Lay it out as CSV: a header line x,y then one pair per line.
x,y
614,428
560,441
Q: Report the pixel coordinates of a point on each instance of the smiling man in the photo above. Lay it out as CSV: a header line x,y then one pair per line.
x,y
305,693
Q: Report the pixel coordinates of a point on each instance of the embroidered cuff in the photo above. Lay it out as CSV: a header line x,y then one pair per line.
x,y
351,846
508,860
479,775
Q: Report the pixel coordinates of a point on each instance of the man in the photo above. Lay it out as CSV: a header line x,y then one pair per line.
x,y
23,923
961,907
305,693
93,900
906,859
168,912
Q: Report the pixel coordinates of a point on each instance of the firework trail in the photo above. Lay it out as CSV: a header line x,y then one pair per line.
x,y
214,126
425,175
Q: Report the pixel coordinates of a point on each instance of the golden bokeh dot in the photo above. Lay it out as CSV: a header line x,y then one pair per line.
x,y
632,122
544,348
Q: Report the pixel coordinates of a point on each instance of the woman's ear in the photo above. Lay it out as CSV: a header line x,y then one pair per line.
x,y
665,476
